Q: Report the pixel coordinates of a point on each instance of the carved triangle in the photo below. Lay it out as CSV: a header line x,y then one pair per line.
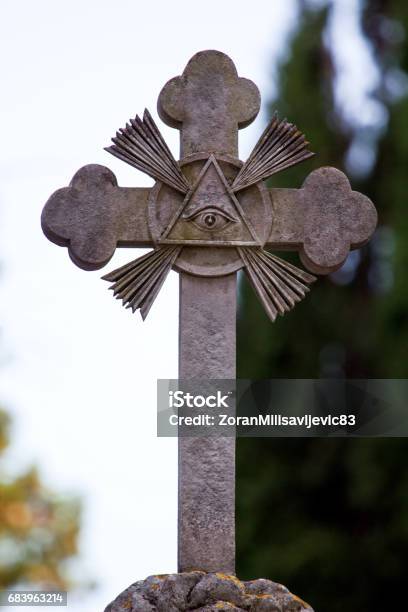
x,y
210,214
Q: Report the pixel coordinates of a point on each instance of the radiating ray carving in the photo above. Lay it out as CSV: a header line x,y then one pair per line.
x,y
138,283
141,145
281,145
279,284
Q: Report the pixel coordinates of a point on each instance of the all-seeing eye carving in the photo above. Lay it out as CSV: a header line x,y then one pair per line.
x,y
211,218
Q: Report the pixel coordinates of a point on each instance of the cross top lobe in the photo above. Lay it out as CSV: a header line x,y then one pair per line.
x,y
210,214
209,103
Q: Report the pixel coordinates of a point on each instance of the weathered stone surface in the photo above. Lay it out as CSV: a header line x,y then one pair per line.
x,y
217,587
131,599
206,510
219,606
208,103
323,220
201,592
92,216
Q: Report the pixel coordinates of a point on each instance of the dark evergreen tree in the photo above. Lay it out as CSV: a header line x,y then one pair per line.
x,y
329,518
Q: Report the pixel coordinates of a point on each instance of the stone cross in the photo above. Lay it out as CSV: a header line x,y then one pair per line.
x,y
208,216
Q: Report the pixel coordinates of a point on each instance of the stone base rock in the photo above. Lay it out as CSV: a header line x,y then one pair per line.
x,y
202,592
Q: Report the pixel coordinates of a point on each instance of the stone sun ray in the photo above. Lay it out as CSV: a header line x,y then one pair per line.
x,y
281,145
141,145
278,284
138,283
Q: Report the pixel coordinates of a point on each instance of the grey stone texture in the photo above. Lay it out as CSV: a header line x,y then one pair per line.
x,y
206,508
209,103
199,591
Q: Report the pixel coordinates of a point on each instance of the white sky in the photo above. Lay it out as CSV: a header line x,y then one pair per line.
x,y
79,372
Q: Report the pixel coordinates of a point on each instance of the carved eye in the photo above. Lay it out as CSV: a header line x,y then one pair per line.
x,y
211,219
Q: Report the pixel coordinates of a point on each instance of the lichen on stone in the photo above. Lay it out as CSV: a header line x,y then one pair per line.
x,y
206,592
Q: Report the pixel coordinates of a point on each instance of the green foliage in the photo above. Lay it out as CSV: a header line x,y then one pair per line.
x,y
38,529
329,518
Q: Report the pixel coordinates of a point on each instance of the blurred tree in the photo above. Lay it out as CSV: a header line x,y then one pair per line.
x,y
38,529
329,518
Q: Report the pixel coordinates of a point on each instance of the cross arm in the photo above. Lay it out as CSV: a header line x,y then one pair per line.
x,y
323,220
93,216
